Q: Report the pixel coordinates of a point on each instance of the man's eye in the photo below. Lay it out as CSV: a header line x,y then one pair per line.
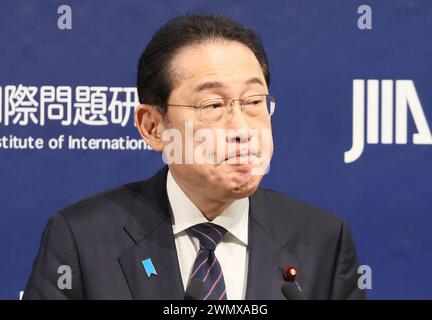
x,y
213,105
254,102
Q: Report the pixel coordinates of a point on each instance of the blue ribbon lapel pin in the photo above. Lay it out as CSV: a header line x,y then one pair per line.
x,y
149,267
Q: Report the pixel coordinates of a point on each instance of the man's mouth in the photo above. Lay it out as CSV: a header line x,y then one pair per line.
x,y
241,157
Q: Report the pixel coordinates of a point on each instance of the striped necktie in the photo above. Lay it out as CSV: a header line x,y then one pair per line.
x,y
206,267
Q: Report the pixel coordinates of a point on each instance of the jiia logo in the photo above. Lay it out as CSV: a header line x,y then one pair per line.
x,y
387,102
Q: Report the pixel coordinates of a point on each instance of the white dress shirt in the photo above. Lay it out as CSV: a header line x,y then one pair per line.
x,y
231,252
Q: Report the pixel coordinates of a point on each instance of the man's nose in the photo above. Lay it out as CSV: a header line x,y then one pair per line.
x,y
242,135
238,126
237,118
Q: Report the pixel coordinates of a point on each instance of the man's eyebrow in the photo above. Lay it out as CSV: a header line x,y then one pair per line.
x,y
255,80
216,84
209,85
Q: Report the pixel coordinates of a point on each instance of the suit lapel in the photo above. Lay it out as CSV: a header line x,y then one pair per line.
x,y
267,256
160,248
150,227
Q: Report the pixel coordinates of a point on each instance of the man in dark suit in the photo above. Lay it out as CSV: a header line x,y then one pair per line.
x,y
202,220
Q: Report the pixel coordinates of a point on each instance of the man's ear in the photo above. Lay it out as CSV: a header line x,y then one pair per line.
x,y
149,123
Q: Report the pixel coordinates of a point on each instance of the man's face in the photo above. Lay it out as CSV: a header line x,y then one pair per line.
x,y
229,70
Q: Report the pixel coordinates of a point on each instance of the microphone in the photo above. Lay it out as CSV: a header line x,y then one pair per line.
x,y
194,290
291,289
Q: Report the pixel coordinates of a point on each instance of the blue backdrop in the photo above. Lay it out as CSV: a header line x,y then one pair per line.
x,y
315,49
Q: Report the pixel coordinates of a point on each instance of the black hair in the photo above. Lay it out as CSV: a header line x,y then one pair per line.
x,y
155,80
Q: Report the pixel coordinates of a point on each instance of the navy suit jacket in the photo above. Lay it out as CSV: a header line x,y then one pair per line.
x,y
103,239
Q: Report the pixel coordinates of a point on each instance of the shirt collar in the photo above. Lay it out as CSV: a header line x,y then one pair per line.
x,y
186,214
